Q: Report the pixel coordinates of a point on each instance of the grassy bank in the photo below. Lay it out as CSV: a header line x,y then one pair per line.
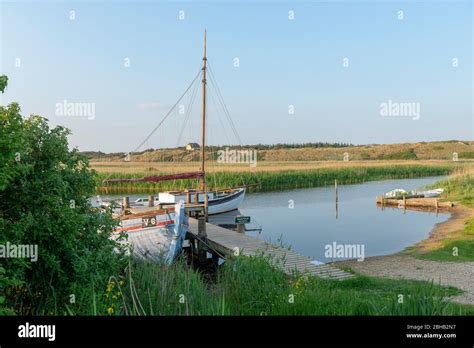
x,y
458,246
271,180
250,286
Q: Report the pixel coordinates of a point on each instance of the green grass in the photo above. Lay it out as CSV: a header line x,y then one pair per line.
x,y
458,250
278,180
250,286
461,189
402,155
469,154
458,188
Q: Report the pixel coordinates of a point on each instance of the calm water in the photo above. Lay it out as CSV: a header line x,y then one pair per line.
x,y
311,224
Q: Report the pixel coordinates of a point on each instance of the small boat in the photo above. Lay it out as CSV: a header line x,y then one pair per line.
x,y
117,203
432,193
396,193
156,237
400,193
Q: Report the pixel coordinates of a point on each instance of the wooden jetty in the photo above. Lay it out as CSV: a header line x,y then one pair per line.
x,y
415,202
229,243
222,243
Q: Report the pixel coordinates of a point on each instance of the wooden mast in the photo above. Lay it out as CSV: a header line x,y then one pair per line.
x,y
203,129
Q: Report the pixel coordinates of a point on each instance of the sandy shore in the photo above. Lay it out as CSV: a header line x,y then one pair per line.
x,y
401,265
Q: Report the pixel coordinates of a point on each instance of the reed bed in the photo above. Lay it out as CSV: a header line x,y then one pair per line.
x,y
272,180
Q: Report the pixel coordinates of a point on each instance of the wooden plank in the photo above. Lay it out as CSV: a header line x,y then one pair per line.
x,y
415,202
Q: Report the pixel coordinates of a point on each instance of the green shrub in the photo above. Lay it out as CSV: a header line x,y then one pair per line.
x,y
45,190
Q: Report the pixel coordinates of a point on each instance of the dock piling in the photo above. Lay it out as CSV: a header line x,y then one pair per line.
x,y
126,202
202,235
151,201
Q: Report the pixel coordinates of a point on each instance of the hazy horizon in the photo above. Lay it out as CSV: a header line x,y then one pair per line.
x,y
352,72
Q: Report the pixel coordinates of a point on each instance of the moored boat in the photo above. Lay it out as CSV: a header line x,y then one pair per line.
x,y
215,201
400,193
158,236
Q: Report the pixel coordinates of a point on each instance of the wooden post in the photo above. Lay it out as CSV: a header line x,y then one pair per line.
x,y
151,201
405,202
196,197
241,228
126,202
206,201
215,259
188,197
337,198
202,234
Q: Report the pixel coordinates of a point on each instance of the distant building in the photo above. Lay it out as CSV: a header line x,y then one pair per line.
x,y
192,146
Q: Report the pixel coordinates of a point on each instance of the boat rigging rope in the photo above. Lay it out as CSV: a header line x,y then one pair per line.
x,y
162,120
168,113
188,112
221,99
227,113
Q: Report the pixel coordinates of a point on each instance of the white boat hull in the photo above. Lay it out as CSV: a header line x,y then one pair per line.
x,y
216,204
156,243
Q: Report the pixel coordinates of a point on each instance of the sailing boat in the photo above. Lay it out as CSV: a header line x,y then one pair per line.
x,y
215,201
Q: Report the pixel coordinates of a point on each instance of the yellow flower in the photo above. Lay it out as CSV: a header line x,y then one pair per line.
x,y
110,310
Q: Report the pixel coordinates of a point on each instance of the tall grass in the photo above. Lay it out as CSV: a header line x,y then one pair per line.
x,y
251,286
276,180
458,187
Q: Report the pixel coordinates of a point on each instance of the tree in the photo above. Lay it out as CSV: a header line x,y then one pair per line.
x,y
44,202
3,83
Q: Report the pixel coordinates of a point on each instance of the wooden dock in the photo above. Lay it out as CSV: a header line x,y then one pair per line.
x,y
414,202
229,243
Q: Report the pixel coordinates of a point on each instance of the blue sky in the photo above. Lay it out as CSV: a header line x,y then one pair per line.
x,y
283,62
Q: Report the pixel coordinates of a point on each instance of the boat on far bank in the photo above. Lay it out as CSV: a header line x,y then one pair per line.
x,y
401,193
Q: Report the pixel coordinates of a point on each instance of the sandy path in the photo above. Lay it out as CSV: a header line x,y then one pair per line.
x,y
457,274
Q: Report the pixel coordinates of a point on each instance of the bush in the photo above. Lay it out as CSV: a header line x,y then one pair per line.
x,y
44,190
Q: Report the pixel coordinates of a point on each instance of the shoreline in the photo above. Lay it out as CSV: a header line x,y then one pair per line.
x,y
445,230
405,264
